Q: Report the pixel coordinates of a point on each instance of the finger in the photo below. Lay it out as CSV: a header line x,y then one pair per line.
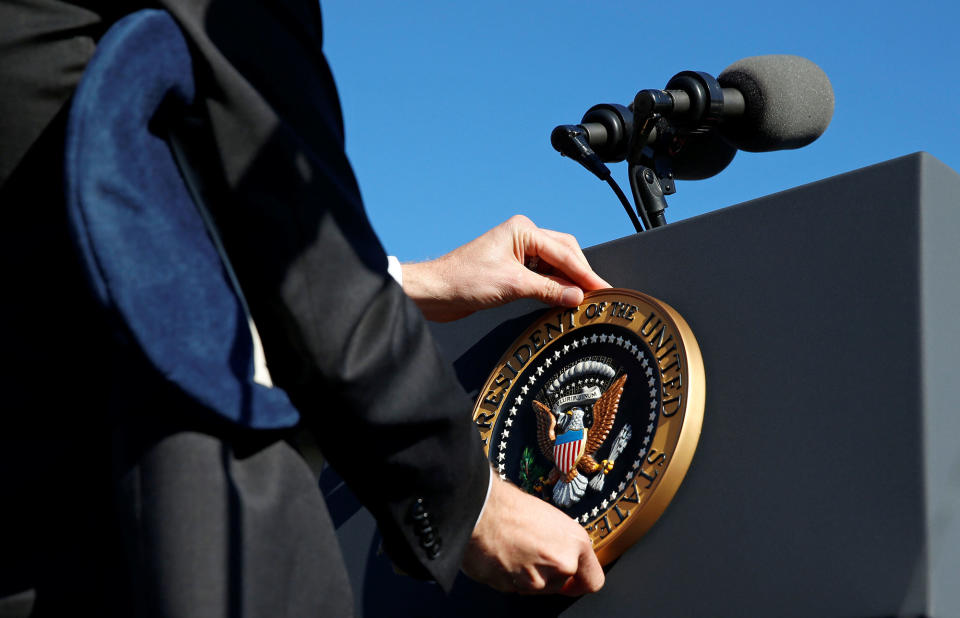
x,y
531,581
588,578
566,259
532,237
568,240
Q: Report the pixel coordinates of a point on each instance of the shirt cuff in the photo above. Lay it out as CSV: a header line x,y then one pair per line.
x,y
395,270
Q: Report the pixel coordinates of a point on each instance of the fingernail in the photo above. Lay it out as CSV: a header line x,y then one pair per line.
x,y
571,297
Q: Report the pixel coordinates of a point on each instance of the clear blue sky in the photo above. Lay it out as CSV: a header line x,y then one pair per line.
x,y
449,105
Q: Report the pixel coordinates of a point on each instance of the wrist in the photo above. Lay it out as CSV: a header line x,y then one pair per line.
x,y
428,285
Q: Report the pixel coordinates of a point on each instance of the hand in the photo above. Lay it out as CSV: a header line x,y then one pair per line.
x,y
493,270
522,544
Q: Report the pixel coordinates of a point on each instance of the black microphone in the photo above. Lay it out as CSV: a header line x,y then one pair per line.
x,y
757,104
571,140
695,156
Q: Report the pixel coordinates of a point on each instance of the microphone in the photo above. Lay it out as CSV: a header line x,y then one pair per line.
x,y
788,102
757,104
693,128
571,140
702,156
608,128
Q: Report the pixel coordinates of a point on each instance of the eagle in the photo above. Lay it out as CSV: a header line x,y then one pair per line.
x,y
572,450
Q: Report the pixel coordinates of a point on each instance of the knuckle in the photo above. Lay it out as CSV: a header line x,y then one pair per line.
x,y
520,221
569,566
531,580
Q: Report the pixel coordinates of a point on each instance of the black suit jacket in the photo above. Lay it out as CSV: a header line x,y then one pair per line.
x,y
340,336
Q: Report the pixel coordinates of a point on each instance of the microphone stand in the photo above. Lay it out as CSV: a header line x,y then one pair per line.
x,y
650,186
648,193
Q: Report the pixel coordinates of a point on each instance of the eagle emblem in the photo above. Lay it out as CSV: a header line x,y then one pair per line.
x,y
597,410
563,436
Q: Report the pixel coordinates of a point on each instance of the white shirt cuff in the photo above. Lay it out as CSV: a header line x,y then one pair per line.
x,y
395,270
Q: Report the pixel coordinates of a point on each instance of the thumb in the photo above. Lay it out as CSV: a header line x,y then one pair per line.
x,y
552,290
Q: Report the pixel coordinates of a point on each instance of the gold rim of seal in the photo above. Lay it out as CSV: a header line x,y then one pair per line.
x,y
676,435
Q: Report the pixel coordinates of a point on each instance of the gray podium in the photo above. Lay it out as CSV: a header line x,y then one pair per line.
x,y
827,477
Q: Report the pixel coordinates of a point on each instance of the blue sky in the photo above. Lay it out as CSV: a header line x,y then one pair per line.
x,y
449,106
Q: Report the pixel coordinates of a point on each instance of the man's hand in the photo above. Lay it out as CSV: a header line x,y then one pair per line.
x,y
514,260
522,544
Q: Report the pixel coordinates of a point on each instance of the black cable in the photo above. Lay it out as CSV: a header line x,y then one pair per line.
x,y
626,206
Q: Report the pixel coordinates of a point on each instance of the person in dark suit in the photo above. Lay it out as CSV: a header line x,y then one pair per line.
x,y
187,514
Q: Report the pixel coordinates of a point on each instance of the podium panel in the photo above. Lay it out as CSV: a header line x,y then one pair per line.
x,y
827,477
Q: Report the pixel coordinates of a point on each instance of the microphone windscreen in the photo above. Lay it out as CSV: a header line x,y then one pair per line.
x,y
788,102
702,156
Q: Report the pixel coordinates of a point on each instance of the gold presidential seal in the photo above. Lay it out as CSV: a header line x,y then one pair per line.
x,y
598,410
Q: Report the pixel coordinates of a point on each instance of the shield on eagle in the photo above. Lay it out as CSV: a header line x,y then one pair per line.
x,y
568,448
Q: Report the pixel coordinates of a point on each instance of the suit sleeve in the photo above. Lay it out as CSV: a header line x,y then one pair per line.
x,y
339,334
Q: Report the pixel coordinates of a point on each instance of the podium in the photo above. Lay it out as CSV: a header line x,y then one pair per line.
x,y
827,477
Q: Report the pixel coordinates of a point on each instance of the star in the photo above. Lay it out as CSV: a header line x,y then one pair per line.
x,y
506,432
519,400
503,445
509,422
501,468
646,440
556,354
604,504
633,348
513,410
583,341
548,362
621,486
576,343
503,476
643,452
653,416
525,390
653,392
532,379
594,511
650,427
636,464
630,475
645,362
540,372
501,456
566,349
603,338
593,339
653,404
651,382
613,494
649,372
620,341
584,518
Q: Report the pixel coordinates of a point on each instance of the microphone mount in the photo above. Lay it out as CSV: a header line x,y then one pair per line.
x,y
649,134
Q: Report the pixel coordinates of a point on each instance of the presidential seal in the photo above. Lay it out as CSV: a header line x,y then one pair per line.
x,y
598,410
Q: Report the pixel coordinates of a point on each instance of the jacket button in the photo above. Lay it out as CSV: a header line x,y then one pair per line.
x,y
417,511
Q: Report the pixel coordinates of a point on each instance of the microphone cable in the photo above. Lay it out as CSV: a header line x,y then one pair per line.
x,y
626,206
